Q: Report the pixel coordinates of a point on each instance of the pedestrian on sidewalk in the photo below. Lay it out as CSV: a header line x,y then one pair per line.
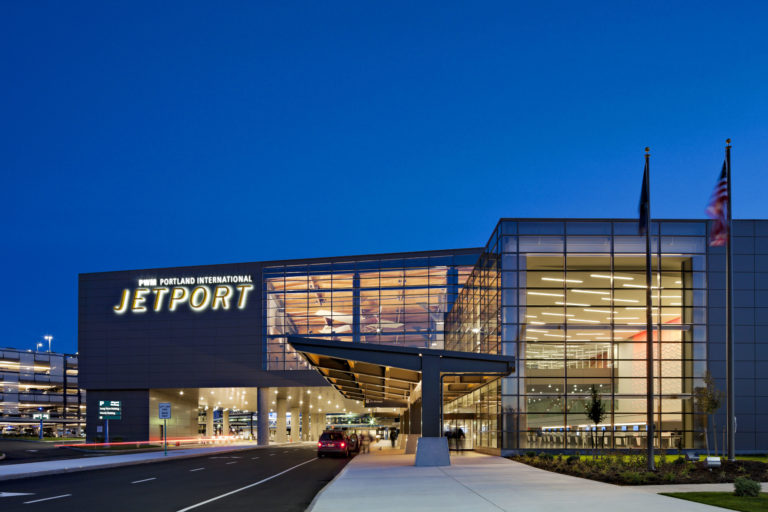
x,y
393,436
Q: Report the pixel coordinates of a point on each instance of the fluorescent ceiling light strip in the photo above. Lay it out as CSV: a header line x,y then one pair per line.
x,y
620,300
625,318
583,320
608,311
546,294
643,308
604,276
630,285
535,330
557,314
575,290
625,331
537,323
571,304
554,335
561,280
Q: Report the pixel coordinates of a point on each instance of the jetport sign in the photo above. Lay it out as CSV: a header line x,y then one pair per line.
x,y
198,293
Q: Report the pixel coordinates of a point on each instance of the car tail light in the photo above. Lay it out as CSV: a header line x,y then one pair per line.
x,y
319,444
343,445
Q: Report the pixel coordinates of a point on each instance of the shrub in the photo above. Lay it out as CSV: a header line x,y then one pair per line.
x,y
572,458
530,454
743,486
633,477
546,456
680,461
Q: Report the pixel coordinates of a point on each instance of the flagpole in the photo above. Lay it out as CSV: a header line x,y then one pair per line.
x,y
649,317
729,369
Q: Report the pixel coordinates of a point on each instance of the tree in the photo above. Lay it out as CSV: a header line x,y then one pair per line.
x,y
707,400
596,413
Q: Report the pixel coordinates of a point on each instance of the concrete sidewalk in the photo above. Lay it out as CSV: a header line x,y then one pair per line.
x,y
386,482
55,466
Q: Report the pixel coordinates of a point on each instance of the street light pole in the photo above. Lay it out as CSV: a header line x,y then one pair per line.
x,y
48,338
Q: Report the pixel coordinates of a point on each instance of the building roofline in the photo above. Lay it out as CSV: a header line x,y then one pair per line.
x,y
302,261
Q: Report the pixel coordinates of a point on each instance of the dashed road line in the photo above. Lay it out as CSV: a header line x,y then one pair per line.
x,y
233,462
46,499
244,488
145,480
254,458
198,469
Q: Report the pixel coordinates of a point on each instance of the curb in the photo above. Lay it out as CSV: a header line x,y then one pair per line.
x,y
326,486
108,465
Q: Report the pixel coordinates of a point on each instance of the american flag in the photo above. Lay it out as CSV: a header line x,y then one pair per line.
x,y
717,210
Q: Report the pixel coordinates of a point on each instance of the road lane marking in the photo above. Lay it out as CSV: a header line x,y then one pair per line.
x,y
254,458
271,454
145,480
11,494
233,462
198,469
46,499
246,487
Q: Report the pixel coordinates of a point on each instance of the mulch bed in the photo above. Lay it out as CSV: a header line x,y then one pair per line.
x,y
615,469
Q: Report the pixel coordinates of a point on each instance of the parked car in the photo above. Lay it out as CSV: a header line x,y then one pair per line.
x,y
333,443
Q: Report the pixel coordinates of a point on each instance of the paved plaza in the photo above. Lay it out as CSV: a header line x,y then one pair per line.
x,y
387,480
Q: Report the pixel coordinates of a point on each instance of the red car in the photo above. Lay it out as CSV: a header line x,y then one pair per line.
x,y
333,443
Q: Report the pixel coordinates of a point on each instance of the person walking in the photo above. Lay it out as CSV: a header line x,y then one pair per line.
x,y
393,436
365,442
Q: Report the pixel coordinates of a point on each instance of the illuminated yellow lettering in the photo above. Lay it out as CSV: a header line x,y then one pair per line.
x,y
196,302
221,297
178,294
159,294
245,289
138,299
124,300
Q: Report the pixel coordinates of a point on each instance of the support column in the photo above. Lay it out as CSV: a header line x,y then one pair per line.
x,y
209,422
432,449
305,421
225,422
318,425
280,427
295,425
262,421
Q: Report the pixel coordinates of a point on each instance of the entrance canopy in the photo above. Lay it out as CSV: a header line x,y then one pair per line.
x,y
385,375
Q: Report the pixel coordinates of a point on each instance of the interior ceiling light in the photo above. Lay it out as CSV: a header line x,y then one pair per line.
x,y
546,294
620,300
606,311
583,320
571,304
561,280
630,285
594,292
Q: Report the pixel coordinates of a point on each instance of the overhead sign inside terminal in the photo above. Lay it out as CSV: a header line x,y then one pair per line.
x,y
168,293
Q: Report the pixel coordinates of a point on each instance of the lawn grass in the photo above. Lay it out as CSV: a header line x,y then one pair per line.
x,y
725,500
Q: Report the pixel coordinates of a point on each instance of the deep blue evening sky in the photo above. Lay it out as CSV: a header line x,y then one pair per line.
x,y
148,134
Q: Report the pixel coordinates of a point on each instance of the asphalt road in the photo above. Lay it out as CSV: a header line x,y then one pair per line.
x,y
282,478
32,451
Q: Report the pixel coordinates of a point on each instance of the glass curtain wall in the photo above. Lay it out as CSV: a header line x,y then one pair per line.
x,y
572,309
388,301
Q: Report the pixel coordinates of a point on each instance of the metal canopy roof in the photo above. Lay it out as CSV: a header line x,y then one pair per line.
x,y
385,376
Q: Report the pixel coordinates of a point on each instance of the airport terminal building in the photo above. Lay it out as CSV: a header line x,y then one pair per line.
x,y
564,299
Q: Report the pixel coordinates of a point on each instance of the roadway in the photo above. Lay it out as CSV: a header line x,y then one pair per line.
x,y
21,451
284,478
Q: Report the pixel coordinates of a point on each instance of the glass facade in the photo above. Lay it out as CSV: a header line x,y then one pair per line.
x,y
568,299
385,301
33,382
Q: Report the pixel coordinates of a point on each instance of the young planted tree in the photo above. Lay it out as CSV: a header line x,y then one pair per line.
x,y
707,400
596,413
